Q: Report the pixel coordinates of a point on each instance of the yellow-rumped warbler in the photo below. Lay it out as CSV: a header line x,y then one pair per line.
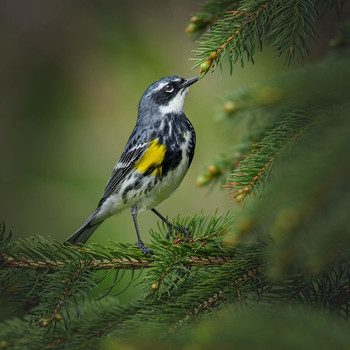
x,y
154,162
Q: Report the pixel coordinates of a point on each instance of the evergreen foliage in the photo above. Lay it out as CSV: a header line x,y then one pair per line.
x,y
287,25
276,270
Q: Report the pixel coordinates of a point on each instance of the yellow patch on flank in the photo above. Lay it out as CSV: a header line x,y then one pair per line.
x,y
152,158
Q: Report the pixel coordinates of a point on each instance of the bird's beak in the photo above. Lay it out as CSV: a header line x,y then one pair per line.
x,y
189,82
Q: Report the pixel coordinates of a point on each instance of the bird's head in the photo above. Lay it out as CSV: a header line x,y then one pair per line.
x,y
165,96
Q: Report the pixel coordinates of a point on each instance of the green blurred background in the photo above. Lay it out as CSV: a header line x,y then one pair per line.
x,y
72,73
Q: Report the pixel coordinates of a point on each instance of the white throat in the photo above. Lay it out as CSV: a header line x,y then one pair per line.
x,y
176,105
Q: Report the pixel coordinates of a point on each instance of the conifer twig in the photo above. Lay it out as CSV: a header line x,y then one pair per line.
x,y
243,183
23,263
45,322
214,55
206,304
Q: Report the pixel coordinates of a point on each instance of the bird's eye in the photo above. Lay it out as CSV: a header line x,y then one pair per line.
x,y
168,88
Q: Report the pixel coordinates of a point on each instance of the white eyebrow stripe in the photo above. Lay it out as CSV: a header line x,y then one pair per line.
x,y
161,85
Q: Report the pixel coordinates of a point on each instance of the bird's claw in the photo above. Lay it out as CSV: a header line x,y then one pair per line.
x,y
185,230
177,228
146,251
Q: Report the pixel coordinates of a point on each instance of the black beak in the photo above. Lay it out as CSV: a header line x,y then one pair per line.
x,y
188,82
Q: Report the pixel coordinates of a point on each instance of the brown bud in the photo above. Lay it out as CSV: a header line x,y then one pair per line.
x,y
191,28
212,169
213,55
240,196
197,19
44,322
230,107
202,180
204,67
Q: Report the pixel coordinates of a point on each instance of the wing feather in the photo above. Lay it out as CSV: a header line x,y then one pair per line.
x,y
123,166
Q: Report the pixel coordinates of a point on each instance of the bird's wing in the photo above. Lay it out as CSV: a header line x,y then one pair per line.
x,y
124,165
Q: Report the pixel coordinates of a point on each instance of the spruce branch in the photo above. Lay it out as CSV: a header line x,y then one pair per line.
x,y
239,28
37,264
107,317
255,168
234,283
69,285
210,12
294,28
307,208
248,113
128,264
217,296
289,25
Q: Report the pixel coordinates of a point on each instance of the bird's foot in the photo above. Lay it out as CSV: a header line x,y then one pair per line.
x,y
146,251
177,228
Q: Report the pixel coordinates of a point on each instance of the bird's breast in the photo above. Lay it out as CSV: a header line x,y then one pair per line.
x,y
174,168
179,140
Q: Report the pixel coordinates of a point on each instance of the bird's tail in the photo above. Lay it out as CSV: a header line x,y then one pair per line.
x,y
85,231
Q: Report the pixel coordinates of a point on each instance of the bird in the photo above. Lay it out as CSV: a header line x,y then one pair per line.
x,y
155,160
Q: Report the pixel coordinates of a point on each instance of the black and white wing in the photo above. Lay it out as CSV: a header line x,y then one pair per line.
x,y
126,162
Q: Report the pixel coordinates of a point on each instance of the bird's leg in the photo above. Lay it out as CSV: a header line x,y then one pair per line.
x,y
146,251
171,226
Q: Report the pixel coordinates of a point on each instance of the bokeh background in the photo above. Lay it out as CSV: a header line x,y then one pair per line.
x,y
71,76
